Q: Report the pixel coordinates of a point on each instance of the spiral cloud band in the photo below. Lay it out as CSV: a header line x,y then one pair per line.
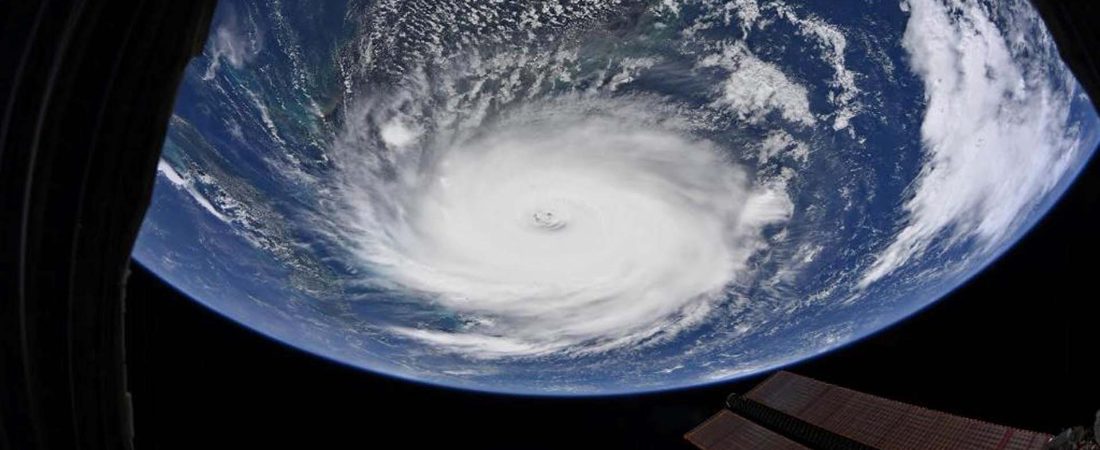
x,y
560,228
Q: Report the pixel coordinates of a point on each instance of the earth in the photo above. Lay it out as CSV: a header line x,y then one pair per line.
x,y
594,197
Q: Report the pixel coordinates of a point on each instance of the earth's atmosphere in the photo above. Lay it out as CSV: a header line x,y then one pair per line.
x,y
597,197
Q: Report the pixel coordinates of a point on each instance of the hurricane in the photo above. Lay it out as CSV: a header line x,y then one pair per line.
x,y
577,224
596,197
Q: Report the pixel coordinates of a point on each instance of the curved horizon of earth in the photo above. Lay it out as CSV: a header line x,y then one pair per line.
x,y
600,197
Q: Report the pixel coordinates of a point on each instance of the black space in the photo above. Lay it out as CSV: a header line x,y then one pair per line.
x,y
1016,345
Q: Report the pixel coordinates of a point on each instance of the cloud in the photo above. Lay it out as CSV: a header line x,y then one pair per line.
x,y
188,186
233,42
755,88
996,130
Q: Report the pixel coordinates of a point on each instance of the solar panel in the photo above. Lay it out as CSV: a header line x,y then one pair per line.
x,y
884,423
729,431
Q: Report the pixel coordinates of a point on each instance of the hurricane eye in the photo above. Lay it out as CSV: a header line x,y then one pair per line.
x,y
546,219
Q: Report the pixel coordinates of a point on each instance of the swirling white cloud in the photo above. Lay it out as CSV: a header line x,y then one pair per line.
x,y
579,224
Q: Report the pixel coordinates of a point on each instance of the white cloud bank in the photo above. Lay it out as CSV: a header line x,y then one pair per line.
x,y
996,129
